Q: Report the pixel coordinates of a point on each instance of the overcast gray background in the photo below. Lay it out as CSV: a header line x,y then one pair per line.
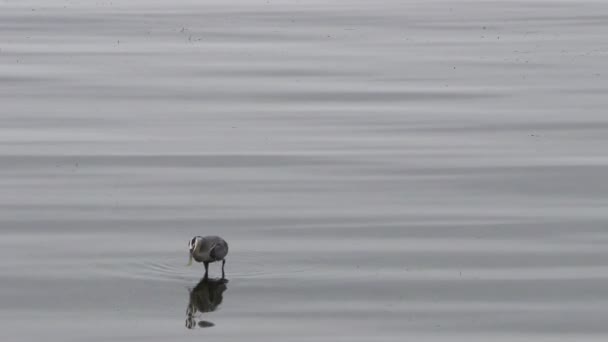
x,y
382,170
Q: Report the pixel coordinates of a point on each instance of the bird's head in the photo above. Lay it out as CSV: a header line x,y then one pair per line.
x,y
193,245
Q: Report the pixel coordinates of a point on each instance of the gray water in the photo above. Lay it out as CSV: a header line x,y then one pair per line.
x,y
382,170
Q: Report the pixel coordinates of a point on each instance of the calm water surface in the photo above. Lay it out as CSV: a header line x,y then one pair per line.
x,y
383,171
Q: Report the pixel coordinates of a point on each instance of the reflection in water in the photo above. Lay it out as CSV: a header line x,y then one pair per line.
x,y
205,297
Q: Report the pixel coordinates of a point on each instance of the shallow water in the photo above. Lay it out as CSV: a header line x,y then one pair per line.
x,y
382,170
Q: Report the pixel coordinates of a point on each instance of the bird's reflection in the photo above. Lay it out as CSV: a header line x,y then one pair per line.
x,y
205,297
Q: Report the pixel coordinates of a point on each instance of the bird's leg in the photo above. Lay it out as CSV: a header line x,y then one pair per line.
x,y
206,263
223,263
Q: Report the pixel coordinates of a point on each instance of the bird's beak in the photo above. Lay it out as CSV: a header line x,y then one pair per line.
x,y
190,259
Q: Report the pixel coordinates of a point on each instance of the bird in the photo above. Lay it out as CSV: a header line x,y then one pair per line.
x,y
208,249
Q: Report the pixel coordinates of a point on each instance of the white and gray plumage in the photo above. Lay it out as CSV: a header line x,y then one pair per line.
x,y
208,249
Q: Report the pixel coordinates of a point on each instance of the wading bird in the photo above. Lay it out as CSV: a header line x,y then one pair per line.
x,y
208,249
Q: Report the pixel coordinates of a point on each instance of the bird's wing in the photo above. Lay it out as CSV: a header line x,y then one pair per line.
x,y
219,251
